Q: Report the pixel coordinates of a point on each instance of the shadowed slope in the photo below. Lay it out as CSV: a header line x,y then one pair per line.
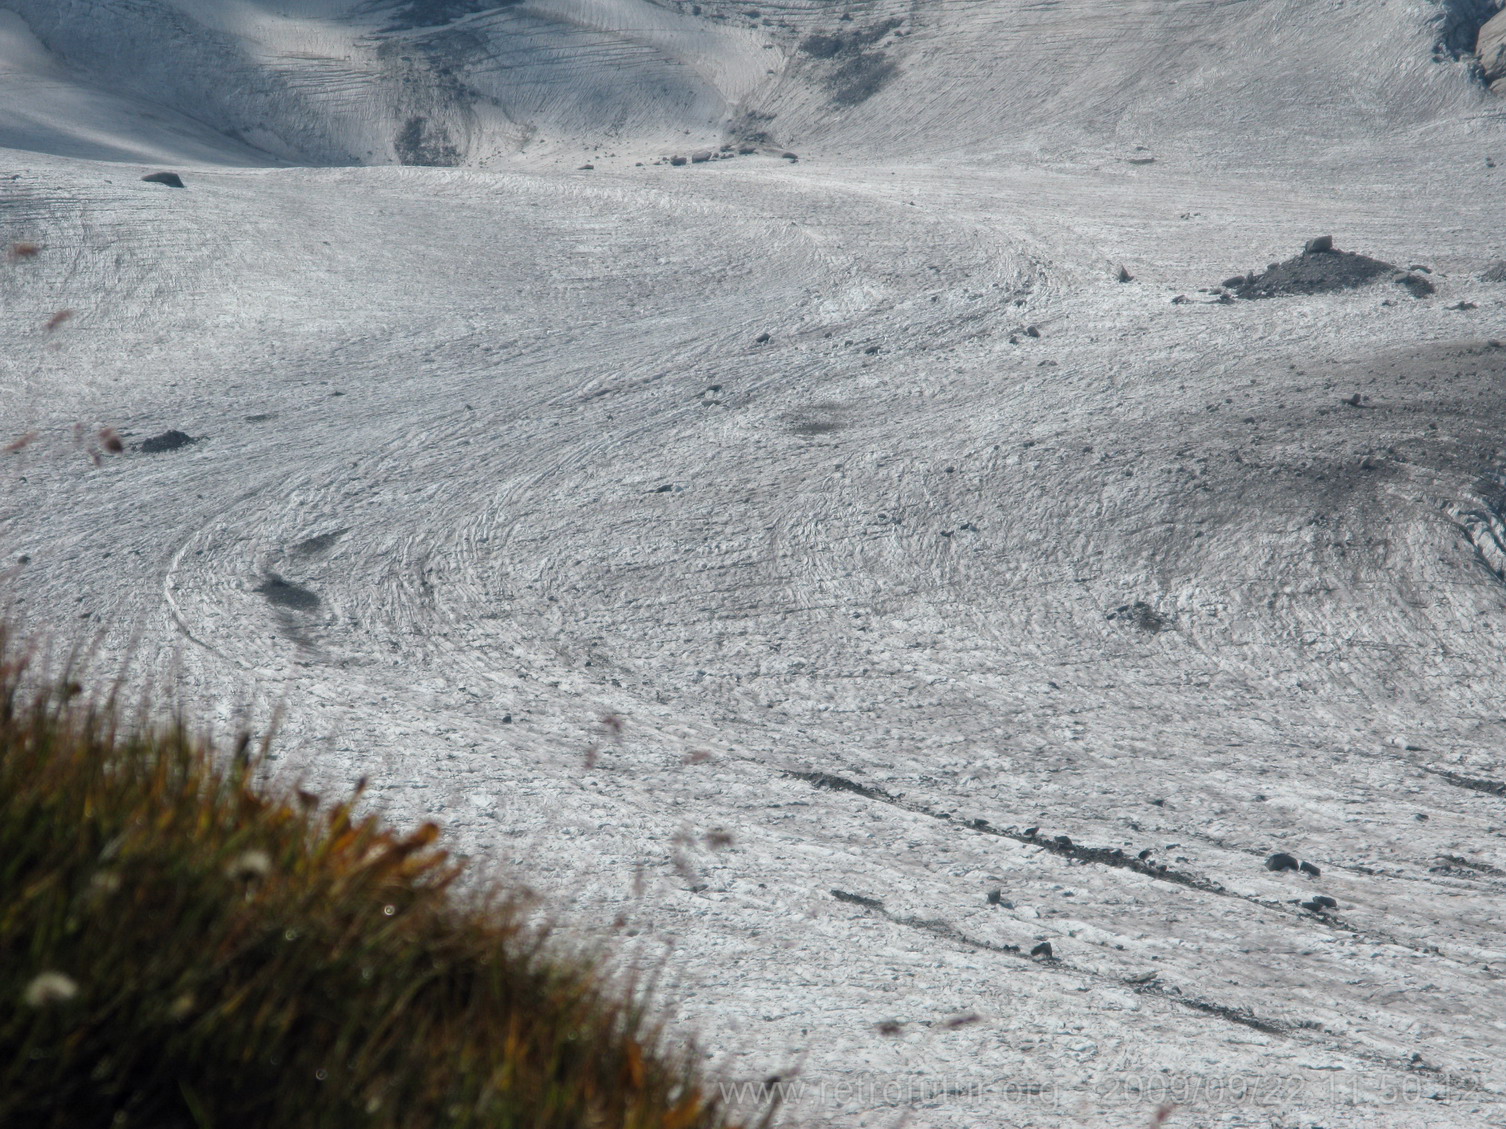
x,y
348,82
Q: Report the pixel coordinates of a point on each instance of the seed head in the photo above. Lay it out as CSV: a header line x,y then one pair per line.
x,y
50,988
249,866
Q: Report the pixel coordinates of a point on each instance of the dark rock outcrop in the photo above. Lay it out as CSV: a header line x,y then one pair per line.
x,y
1491,47
167,441
424,142
1416,285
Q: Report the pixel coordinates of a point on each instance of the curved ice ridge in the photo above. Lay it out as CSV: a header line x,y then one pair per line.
x,y
1483,519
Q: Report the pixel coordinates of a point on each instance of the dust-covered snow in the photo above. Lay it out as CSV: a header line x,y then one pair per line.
x,y
834,565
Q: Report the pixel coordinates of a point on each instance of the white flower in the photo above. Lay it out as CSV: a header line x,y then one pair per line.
x,y
249,865
50,988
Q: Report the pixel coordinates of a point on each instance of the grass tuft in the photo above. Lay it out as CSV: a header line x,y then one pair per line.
x,y
183,947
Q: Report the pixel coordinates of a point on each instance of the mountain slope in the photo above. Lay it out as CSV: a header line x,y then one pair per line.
x,y
340,82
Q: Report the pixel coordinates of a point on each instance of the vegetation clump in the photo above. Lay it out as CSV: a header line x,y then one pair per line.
x,y
182,946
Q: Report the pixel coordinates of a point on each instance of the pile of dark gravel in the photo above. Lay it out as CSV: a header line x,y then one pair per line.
x,y
1322,268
